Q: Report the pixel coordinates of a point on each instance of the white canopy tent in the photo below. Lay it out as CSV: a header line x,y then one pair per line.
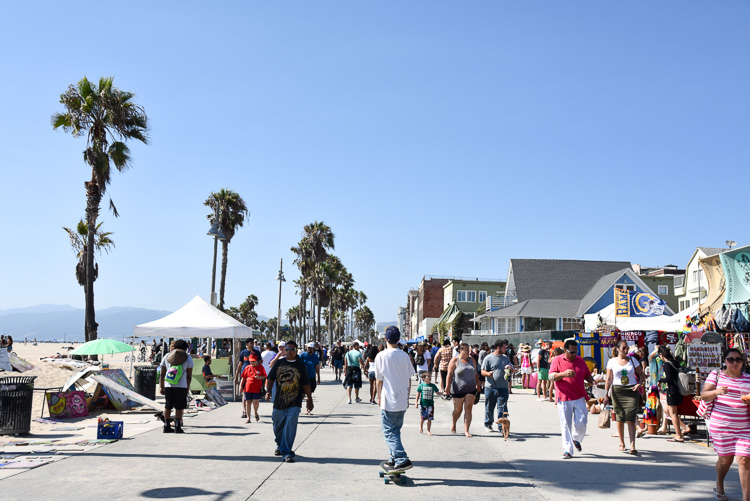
x,y
199,319
665,323
196,319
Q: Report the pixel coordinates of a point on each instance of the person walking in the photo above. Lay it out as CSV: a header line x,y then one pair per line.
x,y
372,352
568,371
526,369
729,425
674,397
177,372
337,359
289,377
394,371
442,359
483,352
625,378
496,386
353,365
463,382
542,363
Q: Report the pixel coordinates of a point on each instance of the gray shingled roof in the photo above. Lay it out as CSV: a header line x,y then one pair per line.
x,y
538,308
559,279
710,251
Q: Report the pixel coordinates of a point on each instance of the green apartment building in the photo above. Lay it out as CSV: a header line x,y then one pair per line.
x,y
469,294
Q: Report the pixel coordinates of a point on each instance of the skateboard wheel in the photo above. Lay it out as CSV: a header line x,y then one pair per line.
x,y
382,474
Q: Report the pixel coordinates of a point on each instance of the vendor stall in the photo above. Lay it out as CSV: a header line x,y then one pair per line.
x,y
196,319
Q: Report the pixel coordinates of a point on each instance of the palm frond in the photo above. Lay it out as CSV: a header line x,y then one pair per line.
x,y
119,153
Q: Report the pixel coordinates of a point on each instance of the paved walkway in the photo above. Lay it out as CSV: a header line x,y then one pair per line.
x,y
339,448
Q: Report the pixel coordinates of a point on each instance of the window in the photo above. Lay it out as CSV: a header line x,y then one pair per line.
x,y
571,324
627,287
461,296
482,296
663,289
694,300
466,296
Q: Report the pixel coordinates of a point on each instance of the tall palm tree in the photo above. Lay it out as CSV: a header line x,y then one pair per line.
x,y
79,242
317,240
247,311
108,118
232,213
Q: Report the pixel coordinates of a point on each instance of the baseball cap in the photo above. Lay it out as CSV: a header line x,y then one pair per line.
x,y
282,344
254,357
311,345
392,334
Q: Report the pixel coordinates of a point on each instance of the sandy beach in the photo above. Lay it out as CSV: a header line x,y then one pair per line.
x,y
50,374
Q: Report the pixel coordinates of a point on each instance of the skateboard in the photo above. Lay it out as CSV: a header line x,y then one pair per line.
x,y
388,475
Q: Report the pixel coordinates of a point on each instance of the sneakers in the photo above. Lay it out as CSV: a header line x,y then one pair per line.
x,y
567,455
277,452
358,400
167,429
489,428
350,400
406,465
577,445
388,464
290,459
178,426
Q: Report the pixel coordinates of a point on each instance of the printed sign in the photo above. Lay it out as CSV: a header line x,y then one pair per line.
x,y
706,357
67,404
668,338
637,304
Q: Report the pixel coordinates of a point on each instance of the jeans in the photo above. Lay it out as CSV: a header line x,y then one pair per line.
x,y
392,423
493,397
285,429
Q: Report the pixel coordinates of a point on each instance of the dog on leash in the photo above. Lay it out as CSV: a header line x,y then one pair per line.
x,y
505,423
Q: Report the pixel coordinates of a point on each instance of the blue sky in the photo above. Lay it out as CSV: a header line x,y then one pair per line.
x,y
434,137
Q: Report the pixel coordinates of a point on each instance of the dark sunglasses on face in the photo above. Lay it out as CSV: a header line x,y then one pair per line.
x,y
572,352
289,348
734,360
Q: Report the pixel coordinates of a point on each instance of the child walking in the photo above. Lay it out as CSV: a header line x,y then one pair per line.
x,y
425,400
254,374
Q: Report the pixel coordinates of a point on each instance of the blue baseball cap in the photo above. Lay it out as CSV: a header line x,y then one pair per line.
x,y
392,334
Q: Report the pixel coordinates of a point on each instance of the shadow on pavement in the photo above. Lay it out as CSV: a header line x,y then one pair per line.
x,y
182,492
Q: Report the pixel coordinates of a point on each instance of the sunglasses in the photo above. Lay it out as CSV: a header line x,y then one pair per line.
x,y
572,352
289,348
734,360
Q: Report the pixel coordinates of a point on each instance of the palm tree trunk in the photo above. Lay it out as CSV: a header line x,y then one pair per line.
x,y
303,314
224,258
93,199
317,338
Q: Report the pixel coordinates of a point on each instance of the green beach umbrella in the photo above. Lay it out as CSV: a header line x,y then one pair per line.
x,y
102,347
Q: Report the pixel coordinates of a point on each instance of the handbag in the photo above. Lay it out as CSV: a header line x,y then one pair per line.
x,y
683,381
705,409
604,417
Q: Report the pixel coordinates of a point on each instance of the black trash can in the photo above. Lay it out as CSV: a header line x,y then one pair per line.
x,y
145,381
16,396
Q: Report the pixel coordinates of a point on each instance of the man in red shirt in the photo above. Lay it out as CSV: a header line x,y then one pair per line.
x,y
568,372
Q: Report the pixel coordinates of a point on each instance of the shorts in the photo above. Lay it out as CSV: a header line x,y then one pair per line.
x,y
525,370
675,399
175,398
252,396
371,375
427,412
730,444
543,374
353,378
461,395
338,364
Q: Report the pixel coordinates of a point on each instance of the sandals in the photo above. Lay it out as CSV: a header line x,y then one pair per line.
x,y
633,452
676,440
257,417
719,495
621,447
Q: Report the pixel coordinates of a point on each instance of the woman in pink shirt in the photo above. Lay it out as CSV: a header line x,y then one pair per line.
x,y
729,425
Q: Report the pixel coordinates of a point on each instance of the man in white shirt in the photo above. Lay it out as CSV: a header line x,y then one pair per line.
x,y
394,371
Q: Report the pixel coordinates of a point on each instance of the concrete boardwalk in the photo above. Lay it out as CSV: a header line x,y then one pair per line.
x,y
339,448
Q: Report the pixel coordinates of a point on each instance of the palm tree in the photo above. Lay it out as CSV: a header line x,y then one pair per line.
x,y
79,242
247,311
108,118
232,212
312,249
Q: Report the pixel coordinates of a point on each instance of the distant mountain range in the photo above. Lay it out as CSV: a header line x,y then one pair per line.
x,y
47,322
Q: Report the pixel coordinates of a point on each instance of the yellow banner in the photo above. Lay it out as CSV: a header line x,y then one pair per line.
x,y
622,303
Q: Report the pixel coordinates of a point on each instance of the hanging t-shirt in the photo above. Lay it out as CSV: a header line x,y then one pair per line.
x,y
622,375
428,392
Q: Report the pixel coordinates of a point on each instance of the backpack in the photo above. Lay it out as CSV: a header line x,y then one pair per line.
x,y
419,360
683,381
174,374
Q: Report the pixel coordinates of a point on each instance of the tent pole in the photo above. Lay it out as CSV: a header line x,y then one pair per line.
x,y
132,352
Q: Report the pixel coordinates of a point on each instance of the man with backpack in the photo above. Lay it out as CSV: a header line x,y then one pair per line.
x,y
174,382
337,357
542,382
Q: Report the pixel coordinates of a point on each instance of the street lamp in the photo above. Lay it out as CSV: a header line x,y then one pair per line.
x,y
215,231
730,244
280,278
